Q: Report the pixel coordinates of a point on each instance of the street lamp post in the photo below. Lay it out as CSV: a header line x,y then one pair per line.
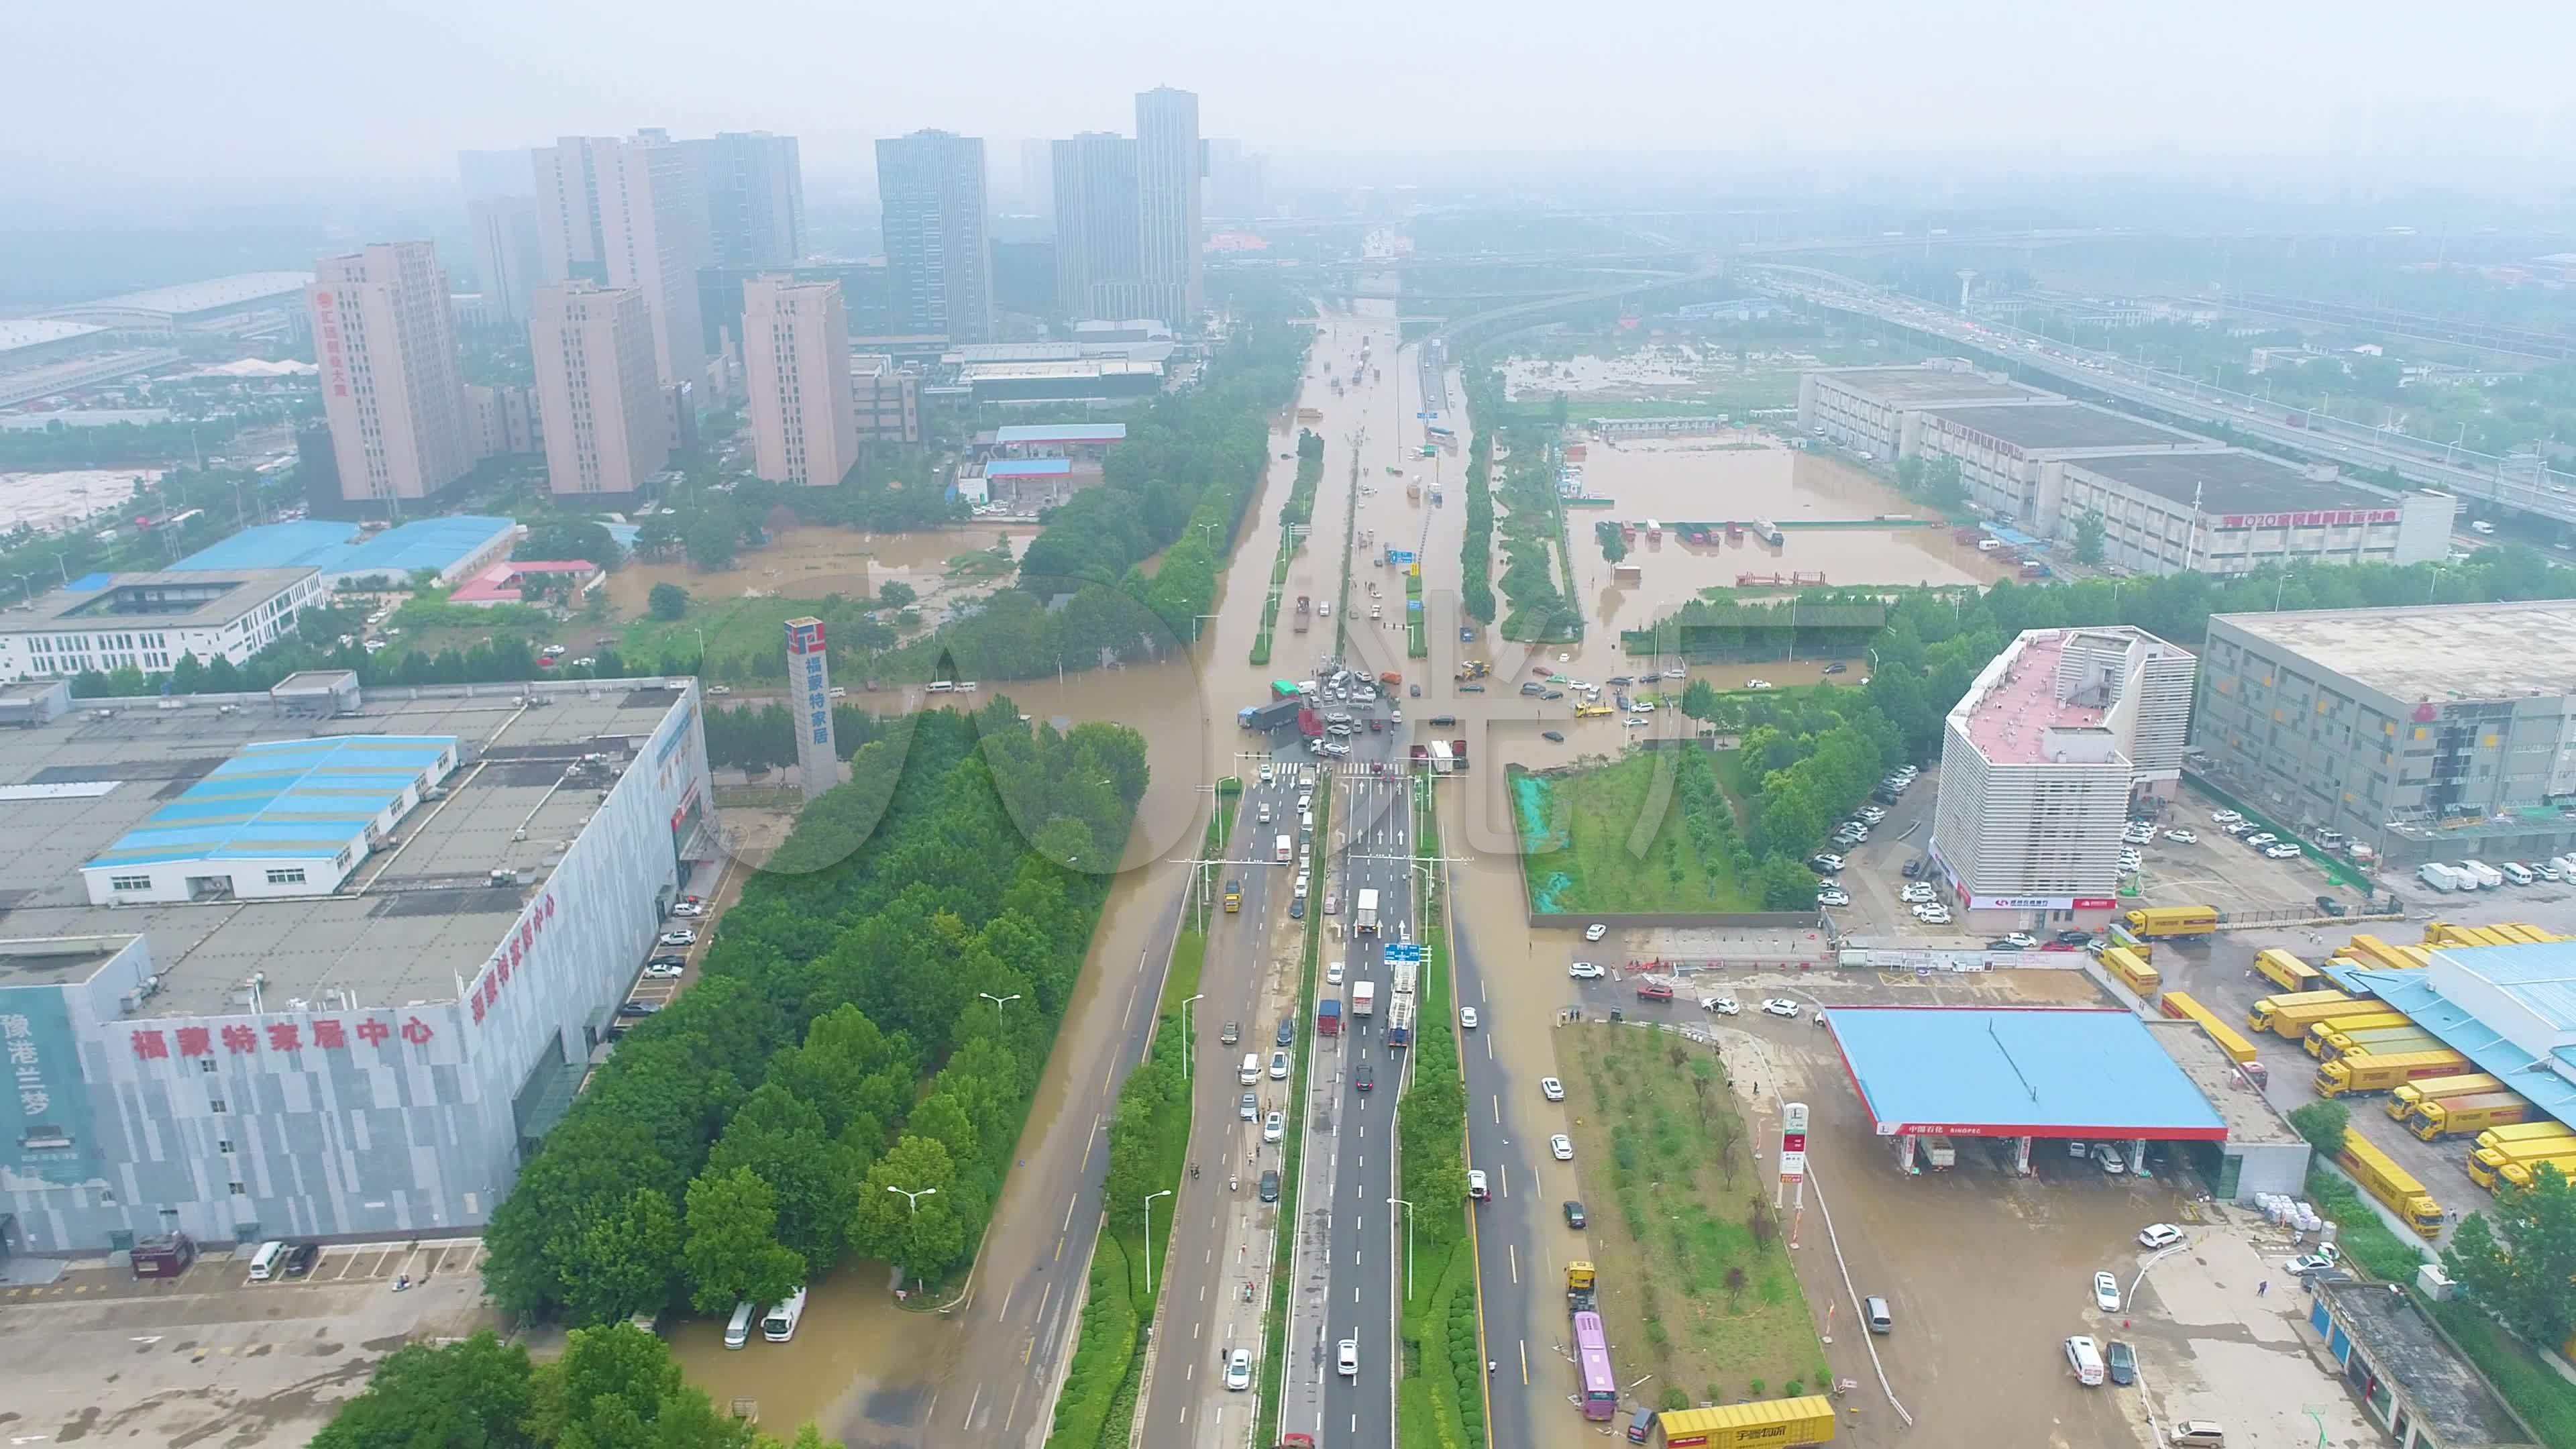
x,y
1408,1244
998,1002
1149,1239
1186,1051
914,1198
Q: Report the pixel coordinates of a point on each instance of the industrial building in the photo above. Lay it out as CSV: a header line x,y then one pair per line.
x,y
2024,1075
372,1049
2040,762
2407,1374
1864,408
2509,1009
39,358
2231,511
246,304
2431,732
1088,442
2004,451
107,622
451,548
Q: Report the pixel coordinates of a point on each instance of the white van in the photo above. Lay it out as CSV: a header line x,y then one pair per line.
x,y
2086,1359
2198,1434
738,1327
779,1325
2515,871
1265,811
1251,1072
2437,875
265,1263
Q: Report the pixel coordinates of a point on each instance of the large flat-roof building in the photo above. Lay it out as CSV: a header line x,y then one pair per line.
x,y
2004,450
2429,732
373,1049
2040,761
2511,1010
393,384
246,302
1865,408
451,547
107,622
2232,511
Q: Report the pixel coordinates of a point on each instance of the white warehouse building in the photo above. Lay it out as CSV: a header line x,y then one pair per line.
x,y
2041,761
146,621
2231,512
1865,408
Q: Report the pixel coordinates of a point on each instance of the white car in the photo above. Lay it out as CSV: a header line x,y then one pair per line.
x,y
2326,1256
1871,813
2224,817
1595,931
1333,974
664,971
1467,1018
1561,1147
1918,891
2106,1292
1551,1088
1238,1370
1274,1126
2283,851
2023,939
2159,1235
1757,684
1833,898
1584,971
2183,837
688,908
1929,908
1722,1005
1781,1006
1677,674
681,937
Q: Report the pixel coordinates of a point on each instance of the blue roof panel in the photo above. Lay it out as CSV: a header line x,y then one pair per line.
x,y
2037,1071
1028,467
335,548
304,543
2411,992
1061,433
282,799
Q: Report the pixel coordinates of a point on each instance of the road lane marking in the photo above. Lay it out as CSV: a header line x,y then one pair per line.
x,y
969,1421
1512,1253
1006,1301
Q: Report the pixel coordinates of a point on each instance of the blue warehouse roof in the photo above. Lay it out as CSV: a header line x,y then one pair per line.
x,y
336,549
305,543
282,799
1028,467
2029,1071
2539,978
1061,433
431,543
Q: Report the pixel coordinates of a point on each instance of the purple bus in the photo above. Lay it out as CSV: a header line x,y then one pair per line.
x,y
1592,1353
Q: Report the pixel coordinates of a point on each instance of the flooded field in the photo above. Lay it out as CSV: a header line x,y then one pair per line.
x,y
1721,477
60,499
809,562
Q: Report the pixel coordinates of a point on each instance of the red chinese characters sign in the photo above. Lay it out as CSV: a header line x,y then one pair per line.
x,y
329,1033
519,947
2321,518
327,342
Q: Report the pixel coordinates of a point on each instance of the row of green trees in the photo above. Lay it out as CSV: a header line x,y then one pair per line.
x,y
845,1040
1476,555
614,1385
1539,608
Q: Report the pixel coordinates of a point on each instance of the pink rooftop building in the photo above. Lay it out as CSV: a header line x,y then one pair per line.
x,y
500,583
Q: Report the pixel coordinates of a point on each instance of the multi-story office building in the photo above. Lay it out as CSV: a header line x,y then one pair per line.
x,y
1169,167
1099,264
888,399
931,185
148,621
231,1048
504,419
2230,512
631,213
796,365
2040,762
393,387
605,430
2435,732
755,188
1864,408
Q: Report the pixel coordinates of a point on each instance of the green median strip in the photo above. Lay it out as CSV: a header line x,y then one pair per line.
x,y
1439,1404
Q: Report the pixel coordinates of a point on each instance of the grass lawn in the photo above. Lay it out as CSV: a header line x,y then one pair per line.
x,y
746,629
1581,857
1691,1288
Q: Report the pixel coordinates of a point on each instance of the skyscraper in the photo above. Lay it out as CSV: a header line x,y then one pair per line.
x,y
1169,165
1237,180
755,190
393,389
1098,268
599,400
1037,177
796,363
931,184
630,213
501,212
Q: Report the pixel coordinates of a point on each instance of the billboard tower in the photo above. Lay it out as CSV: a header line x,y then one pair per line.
x,y
809,682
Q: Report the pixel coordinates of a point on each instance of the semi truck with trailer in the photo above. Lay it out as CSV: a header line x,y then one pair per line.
x,y
2152,921
2289,1017
2366,1016
2459,1116
2487,1164
2287,971
2366,1072
2379,1041
2403,1101
2395,1187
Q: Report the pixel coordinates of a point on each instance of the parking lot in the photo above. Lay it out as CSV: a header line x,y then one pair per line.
x,y
210,1356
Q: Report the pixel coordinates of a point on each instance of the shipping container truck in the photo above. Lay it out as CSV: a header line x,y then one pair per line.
x,y
2535,1132
1458,755
2403,1101
1328,1016
2379,955
1939,1153
1399,1022
1364,998
1283,689
2289,1017
2287,971
2521,1174
2172,921
2134,973
1271,716
2459,1116
1309,723
2365,1072
2238,1049
1764,1422
2485,1163
2396,1188
1305,611
2382,1041
2370,1017
1364,914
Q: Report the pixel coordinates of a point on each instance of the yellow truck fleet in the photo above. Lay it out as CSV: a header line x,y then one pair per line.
x,y
2520,1174
2368,1072
2171,921
2526,1132
2240,1051
2458,1116
2132,970
2289,1017
2519,1158
2287,971
2403,1101
2395,1187
2378,1040
2368,1017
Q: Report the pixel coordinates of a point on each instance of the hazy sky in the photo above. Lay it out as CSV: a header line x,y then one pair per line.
x,y
275,96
